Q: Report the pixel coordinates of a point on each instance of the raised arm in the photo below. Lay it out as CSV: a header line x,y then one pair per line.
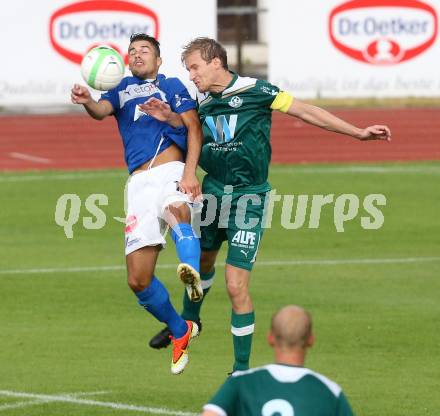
x,y
322,118
97,110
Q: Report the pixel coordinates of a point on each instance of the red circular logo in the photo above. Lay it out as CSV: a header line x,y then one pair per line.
x,y
383,32
76,28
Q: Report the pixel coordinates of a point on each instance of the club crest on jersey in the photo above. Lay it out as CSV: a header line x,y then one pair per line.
x,y
179,100
235,101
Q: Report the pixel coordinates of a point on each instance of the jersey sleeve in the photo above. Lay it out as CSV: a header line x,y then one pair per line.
x,y
180,100
113,97
267,92
343,407
225,399
272,97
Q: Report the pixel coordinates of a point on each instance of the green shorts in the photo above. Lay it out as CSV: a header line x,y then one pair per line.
x,y
236,218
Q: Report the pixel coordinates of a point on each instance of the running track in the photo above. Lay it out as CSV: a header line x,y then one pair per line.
x,y
75,141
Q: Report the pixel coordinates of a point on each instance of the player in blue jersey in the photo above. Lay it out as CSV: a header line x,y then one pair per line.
x,y
161,187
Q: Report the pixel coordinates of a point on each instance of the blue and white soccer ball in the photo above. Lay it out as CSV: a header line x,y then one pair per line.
x,y
102,68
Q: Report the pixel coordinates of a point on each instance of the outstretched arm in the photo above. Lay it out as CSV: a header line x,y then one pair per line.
x,y
97,110
322,118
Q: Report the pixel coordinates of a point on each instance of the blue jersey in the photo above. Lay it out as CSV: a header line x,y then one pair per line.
x,y
141,133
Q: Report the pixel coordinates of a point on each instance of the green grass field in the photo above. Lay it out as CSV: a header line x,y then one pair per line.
x,y
74,341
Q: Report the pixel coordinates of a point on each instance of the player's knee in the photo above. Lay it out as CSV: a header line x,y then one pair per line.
x,y
138,282
237,290
176,214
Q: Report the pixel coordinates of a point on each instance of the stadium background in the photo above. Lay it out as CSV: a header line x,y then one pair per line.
x,y
74,342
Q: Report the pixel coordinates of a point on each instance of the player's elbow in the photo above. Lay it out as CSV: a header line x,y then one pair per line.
x,y
98,117
97,114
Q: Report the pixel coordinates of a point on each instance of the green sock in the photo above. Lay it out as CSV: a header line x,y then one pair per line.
x,y
191,310
242,328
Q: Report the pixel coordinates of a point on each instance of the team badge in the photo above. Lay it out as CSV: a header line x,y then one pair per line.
x,y
178,99
236,101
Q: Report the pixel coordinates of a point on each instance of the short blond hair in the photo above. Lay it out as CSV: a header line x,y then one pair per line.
x,y
209,49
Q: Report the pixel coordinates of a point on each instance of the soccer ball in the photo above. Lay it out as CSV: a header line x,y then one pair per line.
x,y
102,68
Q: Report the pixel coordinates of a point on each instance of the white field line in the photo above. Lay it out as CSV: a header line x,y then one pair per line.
x,y
29,158
274,170
316,262
96,403
69,269
18,405
85,393
62,176
356,169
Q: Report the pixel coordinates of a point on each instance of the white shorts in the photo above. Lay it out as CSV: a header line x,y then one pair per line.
x,y
148,194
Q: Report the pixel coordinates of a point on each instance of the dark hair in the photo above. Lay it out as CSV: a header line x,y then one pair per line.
x,y
209,49
143,36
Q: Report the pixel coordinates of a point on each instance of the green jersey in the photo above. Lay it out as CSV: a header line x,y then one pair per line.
x,y
236,127
279,390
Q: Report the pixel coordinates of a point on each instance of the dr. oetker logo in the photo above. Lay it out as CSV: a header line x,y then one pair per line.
x,y
383,32
76,28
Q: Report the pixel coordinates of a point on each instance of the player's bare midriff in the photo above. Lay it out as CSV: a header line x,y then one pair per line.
x,y
170,154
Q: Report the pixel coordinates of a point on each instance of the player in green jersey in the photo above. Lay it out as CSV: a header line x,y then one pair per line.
x,y
235,113
285,388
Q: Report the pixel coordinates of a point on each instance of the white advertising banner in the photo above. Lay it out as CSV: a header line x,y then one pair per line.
x,y
357,48
43,42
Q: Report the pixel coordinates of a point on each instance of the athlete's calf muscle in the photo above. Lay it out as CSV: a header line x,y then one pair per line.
x,y
207,261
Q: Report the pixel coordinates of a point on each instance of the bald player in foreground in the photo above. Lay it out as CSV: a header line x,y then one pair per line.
x,y
285,388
